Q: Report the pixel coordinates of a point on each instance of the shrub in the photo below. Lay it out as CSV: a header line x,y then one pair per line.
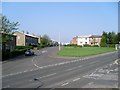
x,y
111,45
71,45
79,46
5,55
17,52
23,47
87,45
95,46
42,46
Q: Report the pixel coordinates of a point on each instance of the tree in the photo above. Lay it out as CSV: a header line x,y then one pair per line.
x,y
45,41
103,41
110,39
8,28
117,38
113,38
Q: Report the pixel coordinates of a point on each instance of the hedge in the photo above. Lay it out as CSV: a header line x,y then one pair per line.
x,y
23,47
17,52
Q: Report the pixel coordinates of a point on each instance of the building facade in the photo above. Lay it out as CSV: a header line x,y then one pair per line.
x,y
95,40
82,40
23,39
74,40
86,40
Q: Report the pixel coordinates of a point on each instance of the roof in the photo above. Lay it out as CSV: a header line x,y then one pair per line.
x,y
95,36
3,33
90,36
83,36
28,34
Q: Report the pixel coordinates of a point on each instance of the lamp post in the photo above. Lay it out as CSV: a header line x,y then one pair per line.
x,y
59,41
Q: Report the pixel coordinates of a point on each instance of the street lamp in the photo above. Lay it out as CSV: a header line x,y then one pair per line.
x,y
59,41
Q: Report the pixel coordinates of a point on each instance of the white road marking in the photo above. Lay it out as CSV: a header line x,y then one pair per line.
x,y
76,79
44,51
73,68
116,61
42,67
65,84
90,83
47,75
7,86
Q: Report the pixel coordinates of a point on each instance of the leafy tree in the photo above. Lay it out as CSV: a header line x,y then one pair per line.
x,y
45,41
103,41
110,39
113,38
8,28
117,39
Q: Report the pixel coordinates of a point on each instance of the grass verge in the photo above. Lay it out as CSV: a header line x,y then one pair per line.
x,y
84,51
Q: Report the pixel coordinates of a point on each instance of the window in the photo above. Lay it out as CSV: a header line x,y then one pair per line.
x,y
85,42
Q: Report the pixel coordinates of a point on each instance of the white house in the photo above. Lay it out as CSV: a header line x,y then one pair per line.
x,y
82,40
89,40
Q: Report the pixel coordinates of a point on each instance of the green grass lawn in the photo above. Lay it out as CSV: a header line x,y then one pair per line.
x,y
83,51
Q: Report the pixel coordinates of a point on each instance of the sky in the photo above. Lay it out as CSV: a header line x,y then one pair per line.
x,y
67,18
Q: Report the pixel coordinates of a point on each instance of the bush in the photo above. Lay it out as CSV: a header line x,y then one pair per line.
x,y
111,45
95,46
5,54
23,47
17,52
79,46
87,45
71,45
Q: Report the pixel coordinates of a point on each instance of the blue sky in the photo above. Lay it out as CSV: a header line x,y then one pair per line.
x,y
70,19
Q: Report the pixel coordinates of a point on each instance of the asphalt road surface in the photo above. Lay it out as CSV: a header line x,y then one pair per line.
x,y
46,70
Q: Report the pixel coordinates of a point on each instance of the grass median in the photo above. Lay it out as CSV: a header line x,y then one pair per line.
x,y
83,51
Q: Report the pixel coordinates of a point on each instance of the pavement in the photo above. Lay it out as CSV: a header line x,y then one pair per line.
x,y
47,70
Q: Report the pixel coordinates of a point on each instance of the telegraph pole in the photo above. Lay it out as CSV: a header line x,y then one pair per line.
x,y
59,41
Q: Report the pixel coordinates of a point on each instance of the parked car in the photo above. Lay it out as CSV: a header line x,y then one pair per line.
x,y
29,53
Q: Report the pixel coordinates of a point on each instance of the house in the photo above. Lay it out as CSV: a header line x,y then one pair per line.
x,y
39,38
94,40
82,40
86,40
74,40
23,39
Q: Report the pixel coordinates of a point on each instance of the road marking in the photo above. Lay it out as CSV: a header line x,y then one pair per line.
x,y
76,79
42,67
7,86
73,68
65,84
90,83
44,51
47,75
116,61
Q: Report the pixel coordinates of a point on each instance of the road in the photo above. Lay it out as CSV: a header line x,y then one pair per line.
x,y
46,70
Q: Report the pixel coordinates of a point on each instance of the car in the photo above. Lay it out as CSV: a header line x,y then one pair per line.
x,y
29,53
